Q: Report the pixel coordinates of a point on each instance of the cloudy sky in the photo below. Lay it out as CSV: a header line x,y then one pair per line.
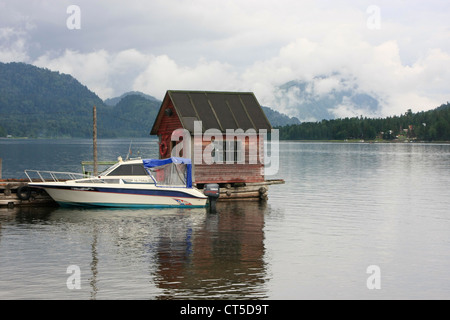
x,y
397,51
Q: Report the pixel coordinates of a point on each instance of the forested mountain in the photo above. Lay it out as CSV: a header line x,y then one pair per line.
x,y
433,125
116,100
133,115
279,119
37,102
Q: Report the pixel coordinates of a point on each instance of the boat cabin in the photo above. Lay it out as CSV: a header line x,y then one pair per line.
x,y
162,172
226,133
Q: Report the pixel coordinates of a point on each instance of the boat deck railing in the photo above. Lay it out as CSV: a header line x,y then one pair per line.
x,y
55,176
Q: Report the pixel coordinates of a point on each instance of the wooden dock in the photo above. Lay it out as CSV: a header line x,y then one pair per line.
x,y
15,192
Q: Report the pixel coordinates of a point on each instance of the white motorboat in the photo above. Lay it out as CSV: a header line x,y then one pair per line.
x,y
137,183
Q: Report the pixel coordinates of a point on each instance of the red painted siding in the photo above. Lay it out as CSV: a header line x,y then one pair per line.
x,y
252,170
226,173
167,126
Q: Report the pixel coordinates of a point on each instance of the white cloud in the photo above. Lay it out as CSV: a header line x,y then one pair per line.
x,y
110,75
163,73
324,86
376,70
12,45
349,109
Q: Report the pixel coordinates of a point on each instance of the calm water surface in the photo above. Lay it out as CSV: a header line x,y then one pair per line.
x,y
343,208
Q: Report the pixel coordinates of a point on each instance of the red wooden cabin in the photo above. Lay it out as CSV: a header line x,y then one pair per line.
x,y
220,111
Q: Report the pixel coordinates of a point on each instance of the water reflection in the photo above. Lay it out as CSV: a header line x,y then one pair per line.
x,y
223,258
94,264
343,207
146,254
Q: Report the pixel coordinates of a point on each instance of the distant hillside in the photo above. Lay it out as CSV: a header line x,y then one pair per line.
x,y
39,103
116,100
277,119
36,102
133,115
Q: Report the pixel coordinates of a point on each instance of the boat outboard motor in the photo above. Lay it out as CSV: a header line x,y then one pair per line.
x,y
212,191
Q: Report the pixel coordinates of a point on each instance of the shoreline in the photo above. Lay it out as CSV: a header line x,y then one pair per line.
x,y
292,140
369,141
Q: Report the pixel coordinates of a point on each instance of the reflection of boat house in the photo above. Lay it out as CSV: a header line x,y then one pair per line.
x,y
237,163
211,257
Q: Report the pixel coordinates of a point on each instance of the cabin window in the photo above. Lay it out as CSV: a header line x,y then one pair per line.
x,y
129,170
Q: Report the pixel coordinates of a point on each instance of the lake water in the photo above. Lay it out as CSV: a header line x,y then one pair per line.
x,y
352,221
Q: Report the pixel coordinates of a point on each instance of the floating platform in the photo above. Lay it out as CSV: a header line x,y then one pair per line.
x,y
246,191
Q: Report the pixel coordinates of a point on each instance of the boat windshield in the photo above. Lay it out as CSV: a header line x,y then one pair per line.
x,y
172,174
164,172
135,169
172,171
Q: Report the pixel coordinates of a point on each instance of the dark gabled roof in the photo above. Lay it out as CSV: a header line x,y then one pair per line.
x,y
218,110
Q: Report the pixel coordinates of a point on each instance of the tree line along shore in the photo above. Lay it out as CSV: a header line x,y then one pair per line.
x,y
427,126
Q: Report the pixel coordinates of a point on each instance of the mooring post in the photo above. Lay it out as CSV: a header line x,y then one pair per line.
x,y
0,168
95,142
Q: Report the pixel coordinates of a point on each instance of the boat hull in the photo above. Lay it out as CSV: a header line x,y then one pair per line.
x,y
122,197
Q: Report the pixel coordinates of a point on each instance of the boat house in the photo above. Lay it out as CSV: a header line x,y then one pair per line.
x,y
225,132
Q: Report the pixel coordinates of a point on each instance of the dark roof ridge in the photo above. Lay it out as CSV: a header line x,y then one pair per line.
x,y
220,110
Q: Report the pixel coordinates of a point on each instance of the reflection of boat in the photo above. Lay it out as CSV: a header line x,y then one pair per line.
x,y
132,183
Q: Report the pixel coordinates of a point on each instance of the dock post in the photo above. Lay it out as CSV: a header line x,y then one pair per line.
x,y
0,168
